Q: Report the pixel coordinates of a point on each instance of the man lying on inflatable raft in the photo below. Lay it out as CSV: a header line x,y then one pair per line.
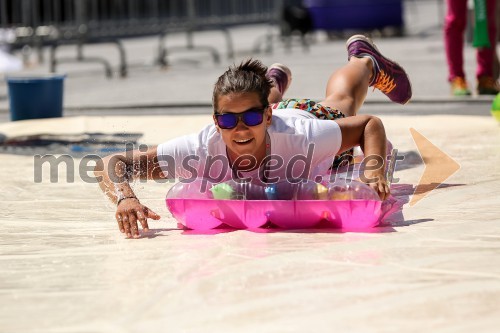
x,y
258,135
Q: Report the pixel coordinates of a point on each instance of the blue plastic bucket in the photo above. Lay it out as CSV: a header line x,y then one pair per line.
x,y
355,14
33,97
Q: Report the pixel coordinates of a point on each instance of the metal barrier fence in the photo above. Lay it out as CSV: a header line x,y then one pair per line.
x,y
37,23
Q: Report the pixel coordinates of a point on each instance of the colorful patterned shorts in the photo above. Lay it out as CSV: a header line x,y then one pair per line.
x,y
321,112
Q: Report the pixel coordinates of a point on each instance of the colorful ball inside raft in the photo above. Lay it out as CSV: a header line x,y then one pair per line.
x,y
201,205
495,108
351,190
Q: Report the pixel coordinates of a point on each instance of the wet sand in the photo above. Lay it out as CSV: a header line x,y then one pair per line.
x,y
66,268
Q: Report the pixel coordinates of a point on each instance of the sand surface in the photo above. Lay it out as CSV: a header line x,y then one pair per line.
x,y
66,268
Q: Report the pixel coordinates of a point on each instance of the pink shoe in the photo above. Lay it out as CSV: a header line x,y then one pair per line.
x,y
281,76
389,77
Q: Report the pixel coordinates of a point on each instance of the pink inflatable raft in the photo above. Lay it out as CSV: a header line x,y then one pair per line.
x,y
201,205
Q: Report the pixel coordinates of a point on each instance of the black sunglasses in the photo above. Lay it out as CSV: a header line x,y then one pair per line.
x,y
252,117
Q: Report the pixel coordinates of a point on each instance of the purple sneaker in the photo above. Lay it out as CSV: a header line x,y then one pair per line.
x,y
389,77
281,76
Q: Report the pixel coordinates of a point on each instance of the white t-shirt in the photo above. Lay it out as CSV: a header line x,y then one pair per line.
x,y
305,144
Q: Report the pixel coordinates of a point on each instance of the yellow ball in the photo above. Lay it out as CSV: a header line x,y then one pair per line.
x,y
337,195
496,115
495,108
321,192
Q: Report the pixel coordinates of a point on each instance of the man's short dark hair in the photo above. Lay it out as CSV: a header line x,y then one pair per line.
x,y
247,77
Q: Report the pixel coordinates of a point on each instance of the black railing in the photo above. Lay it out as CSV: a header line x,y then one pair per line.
x,y
52,23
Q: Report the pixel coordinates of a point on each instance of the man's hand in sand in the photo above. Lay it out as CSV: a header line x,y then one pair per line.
x,y
381,188
128,212
378,183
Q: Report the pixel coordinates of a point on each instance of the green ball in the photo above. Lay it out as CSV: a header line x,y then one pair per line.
x,y
495,108
222,191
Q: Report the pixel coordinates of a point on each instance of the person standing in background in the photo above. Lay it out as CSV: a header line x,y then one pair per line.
x,y
454,28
